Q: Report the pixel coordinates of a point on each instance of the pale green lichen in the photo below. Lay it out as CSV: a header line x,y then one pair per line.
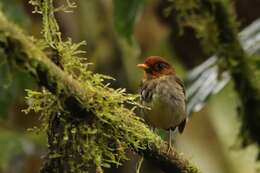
x,y
79,143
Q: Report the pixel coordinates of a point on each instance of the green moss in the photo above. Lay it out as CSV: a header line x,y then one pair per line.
x,y
103,142
214,22
75,142
89,124
197,15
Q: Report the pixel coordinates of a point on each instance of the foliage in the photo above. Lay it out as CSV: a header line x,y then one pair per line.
x,y
204,18
125,16
77,142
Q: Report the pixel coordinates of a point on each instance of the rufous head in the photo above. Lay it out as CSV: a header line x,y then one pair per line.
x,y
156,66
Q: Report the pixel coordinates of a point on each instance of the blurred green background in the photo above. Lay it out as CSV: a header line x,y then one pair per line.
x,y
211,136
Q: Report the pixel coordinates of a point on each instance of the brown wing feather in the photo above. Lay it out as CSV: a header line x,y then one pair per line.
x,y
181,83
183,123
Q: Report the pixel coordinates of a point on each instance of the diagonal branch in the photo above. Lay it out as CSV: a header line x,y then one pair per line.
x,y
20,51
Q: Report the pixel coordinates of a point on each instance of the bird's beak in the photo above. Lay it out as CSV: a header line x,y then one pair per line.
x,y
142,66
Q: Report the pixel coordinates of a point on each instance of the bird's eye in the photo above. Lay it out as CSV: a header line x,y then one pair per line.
x,y
159,66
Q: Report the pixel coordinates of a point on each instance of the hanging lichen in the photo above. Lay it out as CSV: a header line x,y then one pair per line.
x,y
79,143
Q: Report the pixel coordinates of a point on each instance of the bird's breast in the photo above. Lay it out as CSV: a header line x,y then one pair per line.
x,y
166,102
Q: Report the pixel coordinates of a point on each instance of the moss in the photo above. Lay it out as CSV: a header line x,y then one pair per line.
x,y
77,139
197,15
214,23
89,124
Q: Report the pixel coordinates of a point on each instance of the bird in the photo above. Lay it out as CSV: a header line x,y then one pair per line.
x,y
163,93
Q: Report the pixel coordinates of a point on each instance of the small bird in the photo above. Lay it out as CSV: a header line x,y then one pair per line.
x,y
163,92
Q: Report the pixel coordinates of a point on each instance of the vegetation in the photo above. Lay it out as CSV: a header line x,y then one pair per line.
x,y
90,125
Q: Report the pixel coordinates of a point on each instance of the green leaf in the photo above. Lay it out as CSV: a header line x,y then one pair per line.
x,y
125,15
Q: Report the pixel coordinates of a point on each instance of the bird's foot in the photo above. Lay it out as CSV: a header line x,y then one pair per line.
x,y
170,148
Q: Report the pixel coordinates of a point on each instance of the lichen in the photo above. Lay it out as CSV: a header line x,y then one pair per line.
x,y
77,143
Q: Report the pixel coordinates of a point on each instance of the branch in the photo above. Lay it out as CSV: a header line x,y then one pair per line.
x,y
215,25
22,52
237,63
199,91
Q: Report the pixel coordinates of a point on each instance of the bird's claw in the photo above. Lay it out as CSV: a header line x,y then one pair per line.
x,y
170,149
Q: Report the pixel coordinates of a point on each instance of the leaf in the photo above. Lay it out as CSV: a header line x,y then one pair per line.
x,y
125,16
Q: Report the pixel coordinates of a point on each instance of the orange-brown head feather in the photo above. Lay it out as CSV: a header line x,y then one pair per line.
x,y
155,66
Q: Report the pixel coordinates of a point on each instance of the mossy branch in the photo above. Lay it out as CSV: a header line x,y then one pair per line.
x,y
23,52
242,72
215,25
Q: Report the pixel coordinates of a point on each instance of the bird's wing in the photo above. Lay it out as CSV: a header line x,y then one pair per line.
x,y
146,89
181,83
142,90
183,123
